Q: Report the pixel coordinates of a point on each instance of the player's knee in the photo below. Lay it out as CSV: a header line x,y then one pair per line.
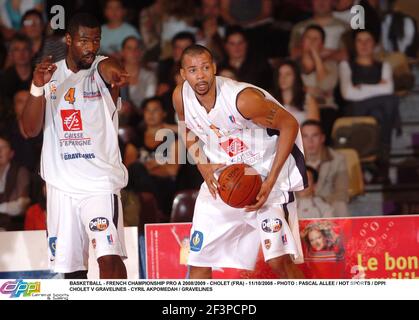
x,y
200,273
109,262
278,264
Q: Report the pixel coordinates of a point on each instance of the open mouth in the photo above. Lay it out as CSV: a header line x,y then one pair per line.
x,y
89,58
202,86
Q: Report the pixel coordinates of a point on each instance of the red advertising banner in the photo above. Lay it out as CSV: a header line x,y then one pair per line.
x,y
341,248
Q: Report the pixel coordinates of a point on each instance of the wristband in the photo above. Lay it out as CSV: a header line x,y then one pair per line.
x,y
36,91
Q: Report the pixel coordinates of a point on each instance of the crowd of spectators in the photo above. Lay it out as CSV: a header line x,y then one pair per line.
x,y
304,52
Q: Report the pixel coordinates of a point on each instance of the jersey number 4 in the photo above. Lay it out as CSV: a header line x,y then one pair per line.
x,y
70,96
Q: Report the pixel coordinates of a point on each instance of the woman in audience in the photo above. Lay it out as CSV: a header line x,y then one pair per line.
x,y
156,144
291,93
143,82
367,85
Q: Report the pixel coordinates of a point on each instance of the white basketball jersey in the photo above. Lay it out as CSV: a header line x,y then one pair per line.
x,y
230,138
80,153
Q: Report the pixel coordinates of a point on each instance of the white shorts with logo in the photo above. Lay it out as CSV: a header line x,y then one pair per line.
x,y
226,237
75,220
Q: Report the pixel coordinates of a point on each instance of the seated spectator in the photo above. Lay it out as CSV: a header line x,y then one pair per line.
x,y
178,17
143,82
333,29
11,13
146,152
333,183
399,33
36,215
309,205
290,93
28,150
115,30
43,43
320,75
248,67
256,16
14,188
33,27
211,28
169,67
367,85
19,75
150,25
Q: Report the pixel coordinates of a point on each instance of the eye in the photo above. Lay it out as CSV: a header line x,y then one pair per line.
x,y
192,70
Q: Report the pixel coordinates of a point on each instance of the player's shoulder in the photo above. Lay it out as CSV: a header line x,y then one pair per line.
x,y
177,98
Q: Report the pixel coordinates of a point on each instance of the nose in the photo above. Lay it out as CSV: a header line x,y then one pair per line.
x,y
88,48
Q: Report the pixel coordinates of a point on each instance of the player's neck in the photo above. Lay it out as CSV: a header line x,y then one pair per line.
x,y
208,100
71,64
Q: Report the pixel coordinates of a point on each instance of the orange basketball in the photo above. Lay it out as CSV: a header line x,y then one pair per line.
x,y
239,185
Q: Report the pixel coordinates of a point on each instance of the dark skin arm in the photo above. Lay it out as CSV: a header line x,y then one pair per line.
x,y
254,106
114,74
33,113
191,141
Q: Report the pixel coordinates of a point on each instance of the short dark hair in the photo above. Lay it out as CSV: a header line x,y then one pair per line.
x,y
6,137
32,12
315,123
18,37
193,50
139,41
314,172
317,28
358,31
184,35
151,99
235,29
82,19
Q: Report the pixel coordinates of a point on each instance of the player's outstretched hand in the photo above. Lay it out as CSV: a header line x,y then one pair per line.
x,y
120,78
207,172
262,196
44,71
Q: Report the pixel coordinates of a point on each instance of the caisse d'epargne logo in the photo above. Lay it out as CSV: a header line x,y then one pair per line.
x,y
20,288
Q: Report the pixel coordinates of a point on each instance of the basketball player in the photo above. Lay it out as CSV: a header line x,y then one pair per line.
x,y
231,120
80,160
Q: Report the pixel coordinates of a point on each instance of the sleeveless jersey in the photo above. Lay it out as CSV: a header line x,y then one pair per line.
x,y
80,152
230,138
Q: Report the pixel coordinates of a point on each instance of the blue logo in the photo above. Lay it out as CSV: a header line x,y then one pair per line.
x,y
52,245
196,241
232,119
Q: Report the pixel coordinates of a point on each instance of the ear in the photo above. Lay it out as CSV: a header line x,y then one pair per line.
x,y
68,39
215,68
182,74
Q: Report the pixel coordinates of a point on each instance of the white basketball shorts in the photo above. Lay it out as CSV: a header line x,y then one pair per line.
x,y
75,220
226,237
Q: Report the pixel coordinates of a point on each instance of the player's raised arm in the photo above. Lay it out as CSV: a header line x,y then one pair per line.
x,y
190,139
33,113
253,105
